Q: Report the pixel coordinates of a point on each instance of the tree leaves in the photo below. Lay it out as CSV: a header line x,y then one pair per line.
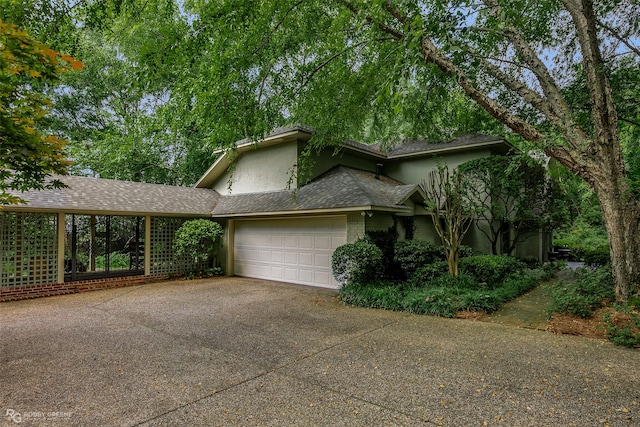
x,y
27,155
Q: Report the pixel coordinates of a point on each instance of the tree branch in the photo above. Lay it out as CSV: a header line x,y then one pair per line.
x,y
618,36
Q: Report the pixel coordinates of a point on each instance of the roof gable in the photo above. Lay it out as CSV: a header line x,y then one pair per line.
x,y
408,149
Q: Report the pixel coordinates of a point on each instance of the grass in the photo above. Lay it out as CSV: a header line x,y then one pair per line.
x,y
443,295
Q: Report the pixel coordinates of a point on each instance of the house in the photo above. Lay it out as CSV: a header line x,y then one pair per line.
x,y
278,226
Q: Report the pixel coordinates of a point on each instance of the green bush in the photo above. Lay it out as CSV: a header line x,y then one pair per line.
x,y
443,296
465,251
197,239
623,330
413,254
490,269
590,290
357,262
597,257
426,274
584,239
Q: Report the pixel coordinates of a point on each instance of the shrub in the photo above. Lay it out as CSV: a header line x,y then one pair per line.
x,y
597,257
413,254
490,269
465,251
357,262
623,328
197,239
424,275
590,290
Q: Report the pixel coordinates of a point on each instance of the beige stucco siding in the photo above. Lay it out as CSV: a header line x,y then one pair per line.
x,y
415,170
266,169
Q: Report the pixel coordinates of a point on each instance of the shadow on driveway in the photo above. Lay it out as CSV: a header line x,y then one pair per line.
x,y
247,352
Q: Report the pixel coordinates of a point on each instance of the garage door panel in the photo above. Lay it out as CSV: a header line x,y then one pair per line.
x,y
293,250
305,258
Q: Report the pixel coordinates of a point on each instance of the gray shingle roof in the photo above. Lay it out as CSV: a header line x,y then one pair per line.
x,y
415,146
340,187
89,195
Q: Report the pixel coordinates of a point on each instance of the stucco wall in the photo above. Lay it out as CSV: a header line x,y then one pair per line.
x,y
414,171
264,169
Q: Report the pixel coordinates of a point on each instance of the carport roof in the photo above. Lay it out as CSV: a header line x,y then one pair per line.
x,y
108,196
341,188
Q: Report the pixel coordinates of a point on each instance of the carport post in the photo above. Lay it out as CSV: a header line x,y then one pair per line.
x,y
147,245
61,235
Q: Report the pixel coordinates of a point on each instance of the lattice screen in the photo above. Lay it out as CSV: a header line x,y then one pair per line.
x,y
28,249
163,260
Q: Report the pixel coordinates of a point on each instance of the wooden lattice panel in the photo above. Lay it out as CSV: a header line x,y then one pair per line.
x,y
28,249
163,259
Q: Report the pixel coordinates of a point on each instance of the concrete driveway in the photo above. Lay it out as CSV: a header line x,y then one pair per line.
x,y
254,353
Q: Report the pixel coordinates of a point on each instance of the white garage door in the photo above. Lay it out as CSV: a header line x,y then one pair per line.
x,y
295,250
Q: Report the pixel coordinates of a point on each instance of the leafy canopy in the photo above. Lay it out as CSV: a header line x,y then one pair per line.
x,y
27,155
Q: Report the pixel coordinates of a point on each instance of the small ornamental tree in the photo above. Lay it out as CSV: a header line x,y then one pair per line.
x,y
450,211
198,239
27,155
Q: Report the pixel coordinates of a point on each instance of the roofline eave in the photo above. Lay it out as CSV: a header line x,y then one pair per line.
x,y
398,209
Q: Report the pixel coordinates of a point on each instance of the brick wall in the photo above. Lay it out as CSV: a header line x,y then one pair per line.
x,y
16,293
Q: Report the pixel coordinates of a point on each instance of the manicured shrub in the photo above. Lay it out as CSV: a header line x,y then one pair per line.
x,y
423,276
590,290
413,254
490,269
357,262
197,239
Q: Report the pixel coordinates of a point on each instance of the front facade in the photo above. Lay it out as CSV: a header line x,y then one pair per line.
x,y
282,220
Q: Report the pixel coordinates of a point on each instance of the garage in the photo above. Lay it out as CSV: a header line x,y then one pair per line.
x,y
294,250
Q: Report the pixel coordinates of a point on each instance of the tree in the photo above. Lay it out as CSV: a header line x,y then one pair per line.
x,y
27,155
348,68
450,211
510,194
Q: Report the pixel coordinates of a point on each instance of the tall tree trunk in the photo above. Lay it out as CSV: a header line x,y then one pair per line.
x,y
621,219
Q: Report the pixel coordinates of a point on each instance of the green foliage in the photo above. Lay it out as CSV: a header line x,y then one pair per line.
x,y
490,269
510,191
590,290
197,239
428,273
117,261
440,294
27,154
358,262
414,254
623,327
385,241
584,238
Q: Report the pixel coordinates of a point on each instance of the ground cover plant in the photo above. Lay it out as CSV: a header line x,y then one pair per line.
x,y
484,283
590,297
